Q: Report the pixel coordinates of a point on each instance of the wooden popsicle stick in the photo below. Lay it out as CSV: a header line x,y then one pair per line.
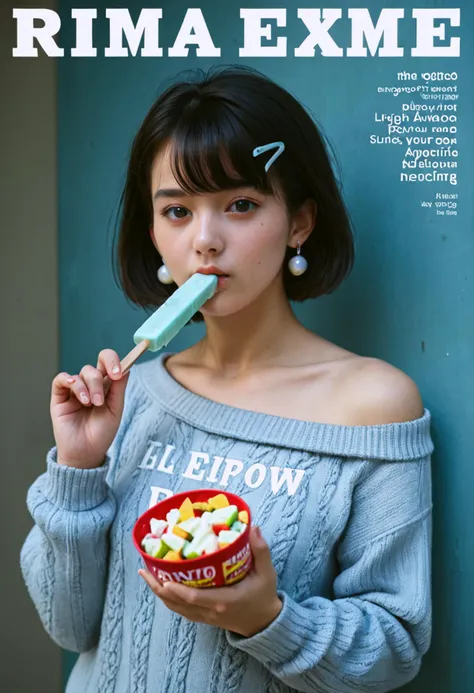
x,y
127,362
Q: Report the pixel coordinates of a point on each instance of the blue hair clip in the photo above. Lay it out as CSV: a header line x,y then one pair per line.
x,y
264,148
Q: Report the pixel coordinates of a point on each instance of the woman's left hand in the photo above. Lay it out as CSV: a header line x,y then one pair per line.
x,y
246,608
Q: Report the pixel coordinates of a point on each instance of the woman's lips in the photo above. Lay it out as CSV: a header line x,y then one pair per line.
x,y
222,280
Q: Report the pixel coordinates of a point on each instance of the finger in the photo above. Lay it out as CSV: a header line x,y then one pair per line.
x,y
115,393
115,381
178,606
185,594
80,391
186,611
159,589
156,585
94,381
211,602
61,388
260,550
194,610
149,579
108,362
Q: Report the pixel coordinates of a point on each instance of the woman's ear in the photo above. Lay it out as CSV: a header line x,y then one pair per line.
x,y
303,222
152,236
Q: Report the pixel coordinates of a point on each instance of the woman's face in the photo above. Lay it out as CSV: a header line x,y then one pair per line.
x,y
242,232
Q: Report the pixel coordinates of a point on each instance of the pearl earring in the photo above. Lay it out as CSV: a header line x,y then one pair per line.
x,y
164,275
298,264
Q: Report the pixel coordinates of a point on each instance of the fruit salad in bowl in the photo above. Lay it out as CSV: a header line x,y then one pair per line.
x,y
198,538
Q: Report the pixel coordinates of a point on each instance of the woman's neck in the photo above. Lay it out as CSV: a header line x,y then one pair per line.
x,y
258,336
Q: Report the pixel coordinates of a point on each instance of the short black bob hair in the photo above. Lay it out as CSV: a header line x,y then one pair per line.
x,y
213,122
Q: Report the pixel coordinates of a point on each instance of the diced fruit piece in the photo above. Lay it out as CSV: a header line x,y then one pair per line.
x,y
161,551
173,556
219,501
199,545
239,527
180,532
195,529
172,517
190,550
202,506
227,537
157,527
192,525
155,547
219,528
203,529
148,541
186,510
172,541
211,544
225,516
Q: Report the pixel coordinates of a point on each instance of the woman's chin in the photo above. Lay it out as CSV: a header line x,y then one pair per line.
x,y
219,306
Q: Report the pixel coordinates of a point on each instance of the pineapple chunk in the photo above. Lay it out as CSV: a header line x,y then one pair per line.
x,y
244,517
180,532
186,510
203,506
219,501
173,556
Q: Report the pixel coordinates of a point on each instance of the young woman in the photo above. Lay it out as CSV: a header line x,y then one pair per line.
x,y
330,449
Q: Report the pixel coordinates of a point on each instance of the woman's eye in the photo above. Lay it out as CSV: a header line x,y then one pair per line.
x,y
178,212
243,205
240,206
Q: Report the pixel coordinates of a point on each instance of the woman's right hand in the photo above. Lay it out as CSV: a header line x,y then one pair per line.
x,y
86,411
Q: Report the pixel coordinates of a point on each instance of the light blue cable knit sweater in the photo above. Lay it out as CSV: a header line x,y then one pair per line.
x,y
346,512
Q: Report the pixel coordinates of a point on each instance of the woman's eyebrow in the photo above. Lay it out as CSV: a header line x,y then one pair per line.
x,y
169,192
179,192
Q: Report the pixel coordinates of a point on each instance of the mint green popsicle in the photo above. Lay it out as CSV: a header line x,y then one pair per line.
x,y
171,317
167,321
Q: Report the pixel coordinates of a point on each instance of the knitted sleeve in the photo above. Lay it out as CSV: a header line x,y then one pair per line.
x,y
372,634
64,557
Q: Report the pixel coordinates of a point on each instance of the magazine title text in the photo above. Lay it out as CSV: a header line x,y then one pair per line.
x,y
263,33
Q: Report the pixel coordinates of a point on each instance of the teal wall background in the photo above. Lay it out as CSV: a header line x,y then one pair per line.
x,y
409,300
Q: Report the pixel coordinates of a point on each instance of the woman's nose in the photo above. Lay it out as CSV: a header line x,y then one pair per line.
x,y
207,238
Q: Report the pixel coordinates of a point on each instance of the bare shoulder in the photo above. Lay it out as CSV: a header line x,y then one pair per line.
x,y
376,392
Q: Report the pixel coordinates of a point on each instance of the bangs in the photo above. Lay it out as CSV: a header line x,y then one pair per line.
x,y
210,152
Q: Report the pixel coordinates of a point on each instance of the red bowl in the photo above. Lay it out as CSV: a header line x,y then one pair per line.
x,y
223,567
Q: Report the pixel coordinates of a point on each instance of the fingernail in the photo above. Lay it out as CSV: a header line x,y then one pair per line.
x,y
116,369
258,533
69,380
84,398
97,399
